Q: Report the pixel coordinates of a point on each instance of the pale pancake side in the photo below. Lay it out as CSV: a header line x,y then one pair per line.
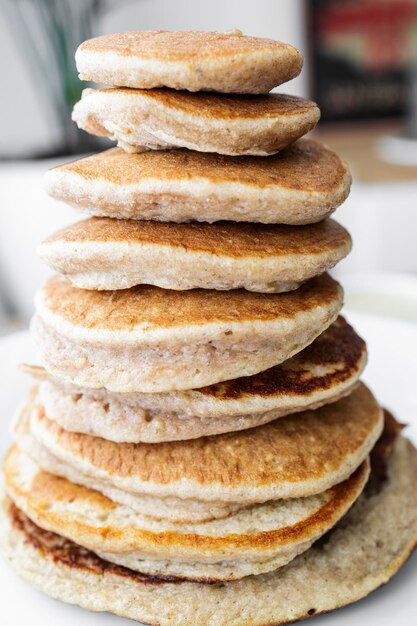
x,y
300,185
322,373
336,357
104,254
147,339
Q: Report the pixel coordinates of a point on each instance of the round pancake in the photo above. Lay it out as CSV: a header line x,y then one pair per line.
x,y
322,373
192,60
301,185
104,253
293,457
160,119
149,339
366,549
217,550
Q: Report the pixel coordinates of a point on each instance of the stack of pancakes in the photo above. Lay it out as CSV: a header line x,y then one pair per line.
x,y
198,448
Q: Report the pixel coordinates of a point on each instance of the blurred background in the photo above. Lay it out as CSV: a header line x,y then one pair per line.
x,y
360,66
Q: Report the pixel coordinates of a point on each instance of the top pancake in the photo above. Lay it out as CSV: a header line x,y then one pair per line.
x,y
191,60
300,185
227,124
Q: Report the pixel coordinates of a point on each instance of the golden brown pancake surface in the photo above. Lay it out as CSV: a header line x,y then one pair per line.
x,y
154,307
306,166
225,106
163,45
229,239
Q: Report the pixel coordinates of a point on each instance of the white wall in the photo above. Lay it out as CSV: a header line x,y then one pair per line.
x,y
24,126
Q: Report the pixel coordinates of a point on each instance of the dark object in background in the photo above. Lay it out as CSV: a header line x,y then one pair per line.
x,y
411,102
361,51
47,33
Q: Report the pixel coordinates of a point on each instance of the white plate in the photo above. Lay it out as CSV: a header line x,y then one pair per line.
x,y
392,375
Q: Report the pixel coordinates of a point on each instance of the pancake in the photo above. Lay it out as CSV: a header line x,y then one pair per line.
x,y
364,551
103,253
300,185
192,60
217,550
149,339
160,119
212,477
322,373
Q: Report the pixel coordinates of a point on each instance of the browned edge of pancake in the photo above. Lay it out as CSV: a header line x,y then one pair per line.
x,y
383,448
337,344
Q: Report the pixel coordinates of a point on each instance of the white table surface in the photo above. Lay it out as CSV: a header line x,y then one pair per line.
x,y
392,375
